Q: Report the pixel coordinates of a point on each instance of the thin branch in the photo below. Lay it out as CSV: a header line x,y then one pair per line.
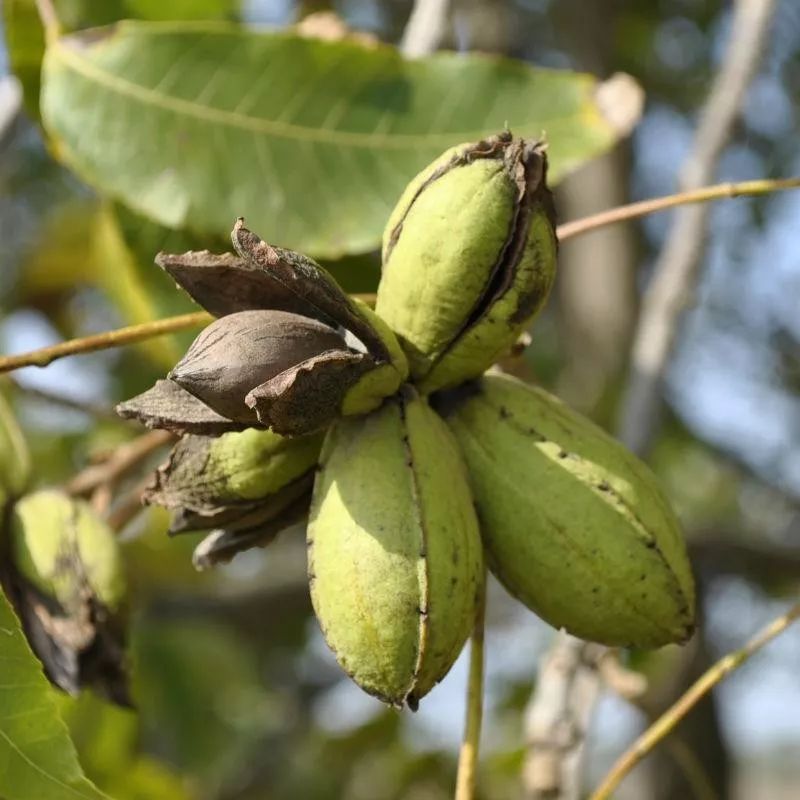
x,y
715,552
666,723
468,756
128,507
105,340
119,337
425,29
677,271
48,16
719,191
149,330
557,719
84,406
123,460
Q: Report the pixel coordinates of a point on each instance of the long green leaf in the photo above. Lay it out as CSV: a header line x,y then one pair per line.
x,y
37,757
194,124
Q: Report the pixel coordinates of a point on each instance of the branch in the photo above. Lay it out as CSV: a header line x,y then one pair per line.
x,y
84,406
117,338
718,552
466,778
667,721
49,18
128,507
123,460
150,330
678,268
103,341
719,191
557,719
425,29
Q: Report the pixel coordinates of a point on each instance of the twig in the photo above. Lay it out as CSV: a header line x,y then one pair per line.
x,y
128,507
149,330
425,28
557,719
716,552
102,341
49,18
677,271
116,338
627,683
124,459
468,756
670,718
719,191
84,406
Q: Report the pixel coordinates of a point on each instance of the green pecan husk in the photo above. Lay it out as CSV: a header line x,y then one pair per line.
x,y
469,257
395,559
574,525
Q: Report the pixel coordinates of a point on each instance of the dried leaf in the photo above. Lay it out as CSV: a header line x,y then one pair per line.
x,y
225,284
308,397
246,515
221,546
169,406
316,288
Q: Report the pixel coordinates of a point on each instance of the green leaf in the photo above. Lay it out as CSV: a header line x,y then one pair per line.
x,y
25,35
37,757
181,9
313,142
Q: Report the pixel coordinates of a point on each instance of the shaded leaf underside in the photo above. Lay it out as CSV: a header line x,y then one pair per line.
x,y
197,124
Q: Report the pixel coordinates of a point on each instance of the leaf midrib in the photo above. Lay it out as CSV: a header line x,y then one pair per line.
x,y
71,58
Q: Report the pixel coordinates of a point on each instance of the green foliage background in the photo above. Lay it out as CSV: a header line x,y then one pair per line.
x,y
156,135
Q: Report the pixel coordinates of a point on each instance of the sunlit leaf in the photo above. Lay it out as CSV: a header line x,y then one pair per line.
x,y
37,757
25,35
196,124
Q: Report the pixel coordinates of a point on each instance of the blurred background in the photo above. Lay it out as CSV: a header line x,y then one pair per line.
x,y
239,697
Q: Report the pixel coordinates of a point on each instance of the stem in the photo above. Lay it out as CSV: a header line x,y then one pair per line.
x,y
468,756
124,459
149,330
84,406
706,194
102,341
49,18
128,507
673,715
118,337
